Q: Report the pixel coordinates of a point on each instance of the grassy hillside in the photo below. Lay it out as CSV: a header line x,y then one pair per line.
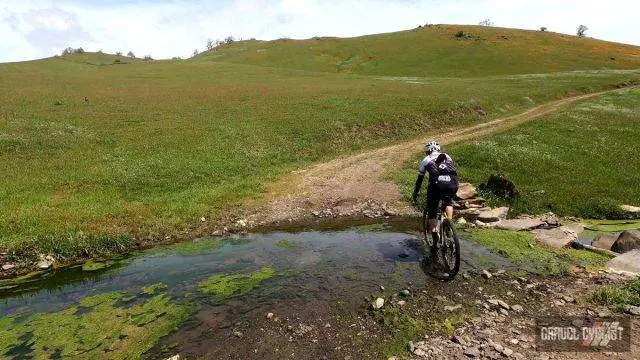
x,y
436,51
160,144
583,161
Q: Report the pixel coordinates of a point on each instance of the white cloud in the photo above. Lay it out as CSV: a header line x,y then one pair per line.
x,y
40,28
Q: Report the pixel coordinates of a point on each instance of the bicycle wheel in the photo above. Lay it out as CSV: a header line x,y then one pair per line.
x,y
428,240
450,247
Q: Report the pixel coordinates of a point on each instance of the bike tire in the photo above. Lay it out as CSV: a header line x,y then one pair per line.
x,y
450,247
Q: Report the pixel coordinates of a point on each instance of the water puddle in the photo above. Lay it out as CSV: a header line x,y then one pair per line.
x,y
190,298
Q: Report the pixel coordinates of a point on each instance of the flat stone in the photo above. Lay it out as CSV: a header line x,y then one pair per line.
x,y
630,208
466,191
8,267
633,310
603,241
43,264
519,224
452,308
559,237
493,215
517,308
628,262
472,352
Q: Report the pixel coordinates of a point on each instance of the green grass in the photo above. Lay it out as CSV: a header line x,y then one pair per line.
x,y
618,296
522,251
160,144
582,161
435,51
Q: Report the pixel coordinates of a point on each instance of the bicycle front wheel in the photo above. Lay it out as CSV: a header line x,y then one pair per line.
x,y
428,239
450,247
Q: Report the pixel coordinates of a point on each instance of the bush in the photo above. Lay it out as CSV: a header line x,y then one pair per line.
x,y
131,54
148,58
79,51
118,53
543,29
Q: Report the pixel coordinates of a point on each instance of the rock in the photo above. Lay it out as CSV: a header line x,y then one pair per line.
x,y
401,302
377,303
501,186
461,221
174,357
519,224
493,215
466,191
43,264
6,267
472,352
241,223
237,334
628,262
603,241
485,274
627,241
452,308
405,292
559,237
633,310
381,287
203,219
270,316
517,308
411,346
629,208
507,352
568,299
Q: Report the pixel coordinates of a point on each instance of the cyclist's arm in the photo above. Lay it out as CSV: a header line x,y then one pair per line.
x,y
421,172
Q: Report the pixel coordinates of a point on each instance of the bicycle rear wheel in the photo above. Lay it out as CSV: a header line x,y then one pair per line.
x,y
450,247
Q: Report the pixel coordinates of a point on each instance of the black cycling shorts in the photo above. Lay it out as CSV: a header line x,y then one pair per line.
x,y
441,191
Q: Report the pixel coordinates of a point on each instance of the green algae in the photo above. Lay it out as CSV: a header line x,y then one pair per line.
x,y
152,289
611,225
285,244
105,332
93,266
227,285
195,247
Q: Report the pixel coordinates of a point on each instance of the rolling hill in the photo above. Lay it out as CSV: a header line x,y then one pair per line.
x,y
436,50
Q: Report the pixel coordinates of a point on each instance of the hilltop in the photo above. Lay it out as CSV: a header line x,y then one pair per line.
x,y
436,50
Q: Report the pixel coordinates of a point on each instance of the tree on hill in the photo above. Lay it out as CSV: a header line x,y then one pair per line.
x,y
148,58
582,30
486,22
195,52
210,44
118,53
544,28
79,51
131,55
67,51
229,40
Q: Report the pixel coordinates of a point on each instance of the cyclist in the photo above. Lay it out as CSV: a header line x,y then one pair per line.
x,y
443,183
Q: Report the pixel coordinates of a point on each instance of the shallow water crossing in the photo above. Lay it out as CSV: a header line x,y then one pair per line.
x,y
209,297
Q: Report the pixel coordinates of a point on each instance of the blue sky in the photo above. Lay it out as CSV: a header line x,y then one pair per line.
x,y
31,29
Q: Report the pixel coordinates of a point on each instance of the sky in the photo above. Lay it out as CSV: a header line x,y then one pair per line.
x,y
31,29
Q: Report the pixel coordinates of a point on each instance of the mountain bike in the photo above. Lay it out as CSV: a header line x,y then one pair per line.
x,y
444,245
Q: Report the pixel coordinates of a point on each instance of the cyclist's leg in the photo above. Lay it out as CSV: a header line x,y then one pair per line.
x,y
433,199
448,193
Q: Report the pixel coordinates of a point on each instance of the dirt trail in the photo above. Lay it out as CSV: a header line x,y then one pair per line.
x,y
352,185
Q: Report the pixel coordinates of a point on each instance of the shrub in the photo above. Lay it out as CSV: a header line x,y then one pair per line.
x,y
543,29
131,54
118,53
148,58
486,22
582,30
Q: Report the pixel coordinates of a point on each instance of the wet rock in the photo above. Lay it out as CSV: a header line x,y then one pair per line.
x,y
485,274
6,267
472,352
559,237
377,303
603,241
627,241
45,262
519,224
628,262
629,208
452,308
466,191
493,215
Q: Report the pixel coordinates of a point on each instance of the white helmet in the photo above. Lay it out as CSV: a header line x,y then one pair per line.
x,y
431,146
